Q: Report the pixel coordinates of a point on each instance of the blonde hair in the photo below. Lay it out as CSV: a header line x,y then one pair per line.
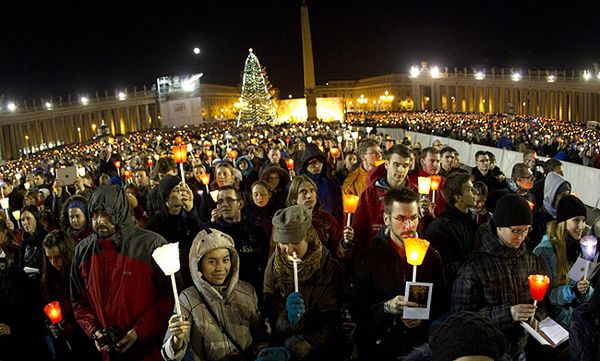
x,y
557,235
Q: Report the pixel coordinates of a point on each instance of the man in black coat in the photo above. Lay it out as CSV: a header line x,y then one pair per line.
x,y
380,277
452,233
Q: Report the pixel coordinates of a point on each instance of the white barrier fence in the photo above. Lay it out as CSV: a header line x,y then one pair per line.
x,y
585,180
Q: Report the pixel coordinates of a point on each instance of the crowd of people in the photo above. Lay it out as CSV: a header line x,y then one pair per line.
x,y
552,138
274,266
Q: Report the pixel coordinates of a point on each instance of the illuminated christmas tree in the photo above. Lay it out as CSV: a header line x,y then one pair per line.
x,y
256,103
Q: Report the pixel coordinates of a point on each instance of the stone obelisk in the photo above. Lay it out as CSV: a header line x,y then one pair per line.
x,y
309,67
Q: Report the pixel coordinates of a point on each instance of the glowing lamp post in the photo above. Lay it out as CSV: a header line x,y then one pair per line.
x,y
416,248
54,314
205,178
424,185
117,164
588,251
167,258
180,156
350,203
435,185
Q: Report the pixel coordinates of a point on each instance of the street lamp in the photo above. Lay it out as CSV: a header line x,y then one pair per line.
x,y
94,128
362,101
27,143
386,98
79,131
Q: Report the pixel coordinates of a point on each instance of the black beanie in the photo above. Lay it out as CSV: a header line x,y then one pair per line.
x,y
569,207
467,333
166,185
512,210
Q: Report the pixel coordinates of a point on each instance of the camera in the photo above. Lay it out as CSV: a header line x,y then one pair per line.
x,y
109,337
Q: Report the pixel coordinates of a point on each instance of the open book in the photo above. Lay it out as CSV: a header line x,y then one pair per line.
x,y
577,272
548,333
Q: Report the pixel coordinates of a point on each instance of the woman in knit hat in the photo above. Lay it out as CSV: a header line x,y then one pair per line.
x,y
74,218
558,251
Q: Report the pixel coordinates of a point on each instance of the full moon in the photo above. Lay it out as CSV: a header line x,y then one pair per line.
x,y
196,51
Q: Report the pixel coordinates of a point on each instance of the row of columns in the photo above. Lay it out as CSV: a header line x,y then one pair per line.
x,y
566,105
23,137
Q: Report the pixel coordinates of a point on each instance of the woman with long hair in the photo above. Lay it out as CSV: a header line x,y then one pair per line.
x,y
59,248
260,208
337,239
558,251
33,234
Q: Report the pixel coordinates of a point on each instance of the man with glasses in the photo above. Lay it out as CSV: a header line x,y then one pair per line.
x,y
251,241
483,172
370,154
521,182
380,277
493,280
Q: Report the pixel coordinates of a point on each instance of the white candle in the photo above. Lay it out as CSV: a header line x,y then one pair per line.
x,y
295,263
182,173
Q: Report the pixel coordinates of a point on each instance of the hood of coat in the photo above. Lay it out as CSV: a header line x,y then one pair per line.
x,y
205,241
553,182
312,152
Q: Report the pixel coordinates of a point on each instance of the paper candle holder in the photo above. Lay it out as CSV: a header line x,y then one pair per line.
x,y
180,153
17,215
589,245
538,285
290,164
424,185
4,203
335,152
53,312
167,258
435,182
205,178
350,202
416,248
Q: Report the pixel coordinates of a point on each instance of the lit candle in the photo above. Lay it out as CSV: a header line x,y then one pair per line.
x,y
118,166
424,185
180,156
435,185
178,139
290,164
538,285
209,153
17,215
232,154
205,178
415,249
295,261
588,251
350,202
335,152
4,203
167,258
150,163
53,312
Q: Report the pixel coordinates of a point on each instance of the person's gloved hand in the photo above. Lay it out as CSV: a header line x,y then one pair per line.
x,y
274,353
295,308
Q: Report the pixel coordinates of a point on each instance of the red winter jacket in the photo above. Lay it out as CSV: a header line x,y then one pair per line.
x,y
115,281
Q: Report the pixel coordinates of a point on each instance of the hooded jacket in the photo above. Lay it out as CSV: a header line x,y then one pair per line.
x,y
546,213
329,192
115,281
493,279
235,304
280,194
249,176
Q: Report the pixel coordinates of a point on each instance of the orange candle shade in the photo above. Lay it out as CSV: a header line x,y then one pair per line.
x,y
53,312
416,248
424,185
290,164
350,202
335,152
127,173
205,178
538,285
117,164
180,153
150,162
435,182
209,153
232,154
178,139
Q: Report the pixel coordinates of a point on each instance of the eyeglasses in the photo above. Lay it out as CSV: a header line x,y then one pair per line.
x,y
401,218
521,232
379,154
227,200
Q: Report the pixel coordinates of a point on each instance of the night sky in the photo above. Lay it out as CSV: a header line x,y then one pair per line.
x,y
60,48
